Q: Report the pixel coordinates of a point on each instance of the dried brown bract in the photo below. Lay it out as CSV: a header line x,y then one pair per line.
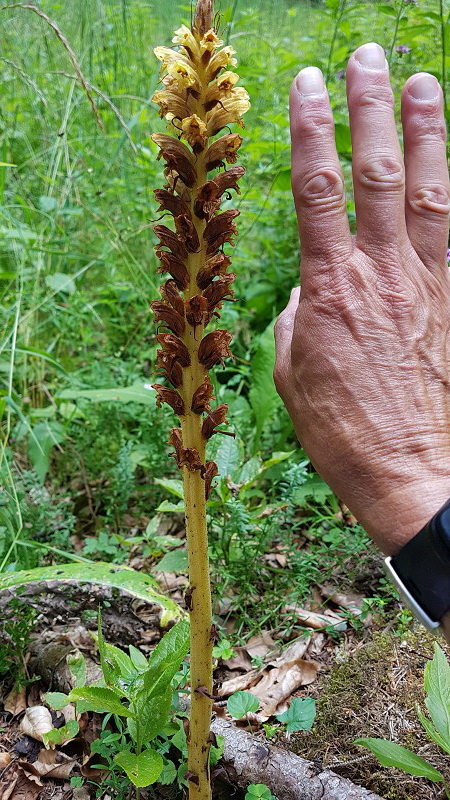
x,y
214,418
169,396
202,397
214,348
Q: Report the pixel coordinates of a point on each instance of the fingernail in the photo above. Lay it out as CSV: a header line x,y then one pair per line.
x,y
310,81
371,56
424,87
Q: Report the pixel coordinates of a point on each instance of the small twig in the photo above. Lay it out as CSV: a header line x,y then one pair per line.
x,y
28,80
67,46
109,103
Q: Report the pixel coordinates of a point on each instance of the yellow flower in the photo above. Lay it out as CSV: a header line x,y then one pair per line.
x,y
185,76
185,38
210,41
221,87
226,82
194,131
221,59
169,56
171,104
230,110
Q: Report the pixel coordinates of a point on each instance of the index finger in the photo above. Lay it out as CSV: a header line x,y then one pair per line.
x,y
317,182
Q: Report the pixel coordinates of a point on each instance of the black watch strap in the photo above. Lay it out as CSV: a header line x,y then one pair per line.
x,y
423,565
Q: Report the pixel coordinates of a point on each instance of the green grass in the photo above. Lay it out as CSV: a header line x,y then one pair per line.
x,y
78,273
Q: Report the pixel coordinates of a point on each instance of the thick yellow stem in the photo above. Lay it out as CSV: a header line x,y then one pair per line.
x,y
197,541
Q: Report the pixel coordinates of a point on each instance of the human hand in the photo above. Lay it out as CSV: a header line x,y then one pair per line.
x,y
363,353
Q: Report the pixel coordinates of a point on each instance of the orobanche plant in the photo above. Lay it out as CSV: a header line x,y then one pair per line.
x,y
198,98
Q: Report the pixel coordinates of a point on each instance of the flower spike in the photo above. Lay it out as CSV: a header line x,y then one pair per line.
x,y
199,96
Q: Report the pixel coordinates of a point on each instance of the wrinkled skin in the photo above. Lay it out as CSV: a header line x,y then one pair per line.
x,y
363,353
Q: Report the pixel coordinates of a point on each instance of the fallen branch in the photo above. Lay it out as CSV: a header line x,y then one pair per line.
x,y
247,759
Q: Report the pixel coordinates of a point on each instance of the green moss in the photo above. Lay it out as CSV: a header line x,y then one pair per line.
x,y
373,693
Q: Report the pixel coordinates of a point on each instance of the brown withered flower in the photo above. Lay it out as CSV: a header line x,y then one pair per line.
x,y
169,396
214,348
198,97
213,420
202,397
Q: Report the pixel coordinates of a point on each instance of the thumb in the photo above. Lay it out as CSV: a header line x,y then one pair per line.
x,y
283,331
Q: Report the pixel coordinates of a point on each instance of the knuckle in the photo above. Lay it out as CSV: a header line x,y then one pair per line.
x,y
315,121
322,188
383,172
434,198
377,97
427,128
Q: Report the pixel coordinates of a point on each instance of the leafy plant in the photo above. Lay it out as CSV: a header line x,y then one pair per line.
x,y
241,703
138,691
259,791
299,716
437,688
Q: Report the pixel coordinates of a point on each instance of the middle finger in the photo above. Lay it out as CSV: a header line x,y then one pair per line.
x,y
378,171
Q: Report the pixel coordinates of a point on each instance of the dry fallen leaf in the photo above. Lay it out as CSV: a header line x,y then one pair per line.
x,y
276,681
310,619
351,601
50,764
15,702
36,722
19,786
260,645
5,759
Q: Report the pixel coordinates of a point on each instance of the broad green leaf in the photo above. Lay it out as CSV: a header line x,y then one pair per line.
x,y
137,584
300,715
166,658
343,138
174,561
314,488
45,435
59,282
77,666
242,703
137,393
151,715
250,470
437,687
263,396
388,10
61,735
166,507
277,458
142,769
390,754
227,456
216,753
102,700
169,773
33,351
283,180
172,485
138,658
432,732
56,700
121,661
258,791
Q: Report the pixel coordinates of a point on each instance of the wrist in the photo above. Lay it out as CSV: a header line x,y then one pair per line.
x,y
402,512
